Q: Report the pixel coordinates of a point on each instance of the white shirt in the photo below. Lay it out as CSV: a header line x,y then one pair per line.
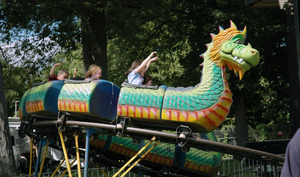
x,y
135,78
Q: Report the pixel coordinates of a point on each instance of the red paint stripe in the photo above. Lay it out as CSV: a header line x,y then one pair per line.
x,y
85,107
218,115
69,104
59,104
155,157
149,112
170,115
195,166
161,160
227,99
38,106
74,105
222,107
171,161
147,157
120,110
35,106
127,110
211,122
64,101
79,105
134,109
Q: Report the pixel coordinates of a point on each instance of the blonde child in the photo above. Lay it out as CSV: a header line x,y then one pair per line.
x,y
62,74
94,72
138,69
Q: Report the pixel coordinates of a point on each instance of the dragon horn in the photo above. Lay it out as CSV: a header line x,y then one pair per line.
x,y
249,45
232,25
212,35
221,29
202,55
244,31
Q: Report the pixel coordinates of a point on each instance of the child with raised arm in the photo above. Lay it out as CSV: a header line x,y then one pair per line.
x,y
62,74
138,69
94,73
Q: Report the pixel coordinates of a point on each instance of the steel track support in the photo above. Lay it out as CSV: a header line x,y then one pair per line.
x,y
58,167
136,162
87,148
135,156
38,157
65,152
77,154
44,157
31,147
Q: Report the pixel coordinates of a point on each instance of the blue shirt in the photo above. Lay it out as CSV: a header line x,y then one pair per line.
x,y
135,78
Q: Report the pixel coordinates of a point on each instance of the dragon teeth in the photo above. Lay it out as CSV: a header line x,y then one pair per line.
x,y
237,59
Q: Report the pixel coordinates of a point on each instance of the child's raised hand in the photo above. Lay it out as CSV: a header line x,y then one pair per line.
x,y
154,59
58,64
74,75
152,54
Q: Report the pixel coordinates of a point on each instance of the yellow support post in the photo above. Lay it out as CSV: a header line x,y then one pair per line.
x,y
66,169
77,155
57,168
101,170
65,152
44,157
136,162
140,151
30,165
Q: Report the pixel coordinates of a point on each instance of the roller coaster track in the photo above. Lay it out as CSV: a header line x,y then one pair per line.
x,y
198,143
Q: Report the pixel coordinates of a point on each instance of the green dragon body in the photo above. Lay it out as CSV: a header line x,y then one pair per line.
x,y
205,106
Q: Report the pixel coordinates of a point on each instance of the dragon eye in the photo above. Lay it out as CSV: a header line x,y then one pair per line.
x,y
238,41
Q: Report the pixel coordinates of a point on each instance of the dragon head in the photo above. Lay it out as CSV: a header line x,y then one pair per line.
x,y
228,49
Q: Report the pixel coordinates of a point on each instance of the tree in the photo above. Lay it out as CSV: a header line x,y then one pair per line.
x,y
47,24
7,162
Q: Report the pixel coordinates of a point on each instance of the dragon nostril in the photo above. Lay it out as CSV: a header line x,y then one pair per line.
x,y
253,52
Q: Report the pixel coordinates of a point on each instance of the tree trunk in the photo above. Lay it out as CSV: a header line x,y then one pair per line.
x,y
293,43
7,160
94,44
241,122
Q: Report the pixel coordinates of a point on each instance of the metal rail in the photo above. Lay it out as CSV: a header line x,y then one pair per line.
x,y
198,143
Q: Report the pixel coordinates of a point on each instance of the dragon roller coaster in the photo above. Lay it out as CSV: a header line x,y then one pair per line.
x,y
115,123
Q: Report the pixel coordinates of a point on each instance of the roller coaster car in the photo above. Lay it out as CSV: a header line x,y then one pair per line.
x,y
90,101
79,100
40,101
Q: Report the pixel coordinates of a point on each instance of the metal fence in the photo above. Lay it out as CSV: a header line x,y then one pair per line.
x,y
92,172
248,168
229,168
